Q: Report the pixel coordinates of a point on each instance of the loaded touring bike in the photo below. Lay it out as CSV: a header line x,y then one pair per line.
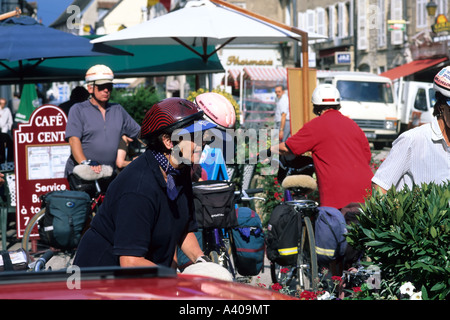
x,y
56,229
291,246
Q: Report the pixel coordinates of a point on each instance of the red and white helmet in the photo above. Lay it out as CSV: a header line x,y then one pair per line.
x,y
100,74
441,82
326,95
217,109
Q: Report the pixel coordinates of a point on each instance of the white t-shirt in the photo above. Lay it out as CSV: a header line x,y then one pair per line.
x,y
419,155
282,107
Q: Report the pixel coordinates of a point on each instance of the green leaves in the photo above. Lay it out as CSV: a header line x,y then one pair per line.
x,y
407,232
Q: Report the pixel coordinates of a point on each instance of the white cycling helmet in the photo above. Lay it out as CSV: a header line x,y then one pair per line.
x,y
326,95
441,82
99,74
217,109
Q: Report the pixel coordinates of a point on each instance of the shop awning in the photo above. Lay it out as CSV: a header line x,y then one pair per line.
x,y
265,74
411,68
233,77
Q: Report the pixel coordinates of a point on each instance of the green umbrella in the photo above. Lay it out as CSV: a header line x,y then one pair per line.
x,y
28,102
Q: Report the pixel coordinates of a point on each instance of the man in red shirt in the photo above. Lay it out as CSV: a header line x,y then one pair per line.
x,y
340,151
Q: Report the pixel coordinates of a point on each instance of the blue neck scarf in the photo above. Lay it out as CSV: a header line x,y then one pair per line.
x,y
170,171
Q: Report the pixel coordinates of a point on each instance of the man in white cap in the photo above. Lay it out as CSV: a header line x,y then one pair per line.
x,y
95,126
340,151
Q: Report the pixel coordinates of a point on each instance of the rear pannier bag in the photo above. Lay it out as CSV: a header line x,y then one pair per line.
x,y
248,243
65,217
283,234
214,204
329,230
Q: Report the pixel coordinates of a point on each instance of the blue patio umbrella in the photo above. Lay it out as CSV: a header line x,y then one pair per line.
x,y
23,38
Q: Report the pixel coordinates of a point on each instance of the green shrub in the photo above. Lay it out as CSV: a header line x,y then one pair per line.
x,y
137,101
407,233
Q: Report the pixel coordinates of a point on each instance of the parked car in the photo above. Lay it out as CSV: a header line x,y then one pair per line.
x,y
157,283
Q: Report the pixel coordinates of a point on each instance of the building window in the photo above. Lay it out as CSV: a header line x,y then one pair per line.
x,y
382,23
442,7
321,22
311,21
421,14
343,21
362,25
397,14
332,20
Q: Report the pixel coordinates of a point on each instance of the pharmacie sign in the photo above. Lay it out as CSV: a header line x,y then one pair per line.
x,y
41,153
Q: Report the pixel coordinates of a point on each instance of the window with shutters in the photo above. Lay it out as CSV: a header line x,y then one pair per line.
x,y
301,20
311,21
397,14
321,22
442,7
421,14
332,20
342,22
382,41
362,25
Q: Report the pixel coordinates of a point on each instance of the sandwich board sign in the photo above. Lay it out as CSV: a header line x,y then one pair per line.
x,y
40,158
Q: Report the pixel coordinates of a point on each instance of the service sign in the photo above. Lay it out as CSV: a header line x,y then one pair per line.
x,y
41,153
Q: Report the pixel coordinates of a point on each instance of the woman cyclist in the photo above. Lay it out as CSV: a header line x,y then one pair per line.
x,y
148,209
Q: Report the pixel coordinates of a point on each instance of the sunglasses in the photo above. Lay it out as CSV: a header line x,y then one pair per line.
x,y
102,87
205,137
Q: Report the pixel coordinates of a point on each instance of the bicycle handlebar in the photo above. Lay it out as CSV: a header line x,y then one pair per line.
x,y
40,263
85,172
243,195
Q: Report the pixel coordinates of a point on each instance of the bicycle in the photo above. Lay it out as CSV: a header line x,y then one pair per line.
x,y
39,253
305,272
217,241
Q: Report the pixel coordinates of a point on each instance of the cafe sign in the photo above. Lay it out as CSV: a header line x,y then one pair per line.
x,y
442,24
41,153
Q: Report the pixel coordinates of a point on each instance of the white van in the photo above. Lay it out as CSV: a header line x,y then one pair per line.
x,y
369,100
415,103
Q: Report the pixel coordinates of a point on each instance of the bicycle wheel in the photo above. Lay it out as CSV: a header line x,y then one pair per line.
x,y
26,243
307,259
61,259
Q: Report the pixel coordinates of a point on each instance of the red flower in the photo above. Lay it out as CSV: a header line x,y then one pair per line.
x,y
277,287
308,295
284,270
356,289
336,279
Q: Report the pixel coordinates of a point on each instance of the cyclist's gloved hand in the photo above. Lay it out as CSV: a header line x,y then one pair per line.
x,y
203,259
91,163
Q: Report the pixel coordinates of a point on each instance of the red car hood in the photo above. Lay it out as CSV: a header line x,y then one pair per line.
x,y
125,283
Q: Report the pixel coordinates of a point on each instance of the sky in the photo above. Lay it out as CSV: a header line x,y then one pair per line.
x,y
50,10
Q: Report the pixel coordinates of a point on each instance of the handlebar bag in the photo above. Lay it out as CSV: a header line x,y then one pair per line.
x,y
214,204
65,218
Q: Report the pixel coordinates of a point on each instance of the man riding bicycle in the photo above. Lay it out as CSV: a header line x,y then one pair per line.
x,y
340,151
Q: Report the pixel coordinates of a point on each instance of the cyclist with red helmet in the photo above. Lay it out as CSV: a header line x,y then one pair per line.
x,y
421,155
148,209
